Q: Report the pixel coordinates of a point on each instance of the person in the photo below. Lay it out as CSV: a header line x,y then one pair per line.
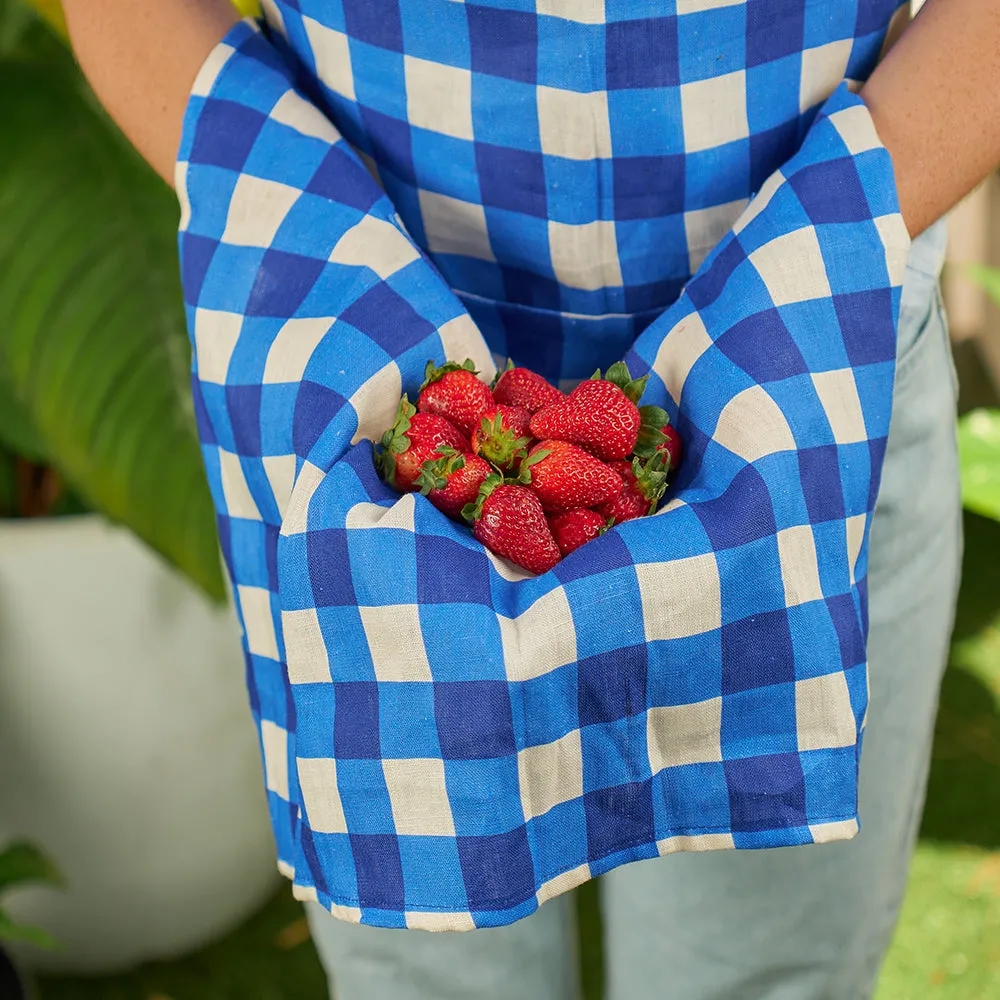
x,y
721,89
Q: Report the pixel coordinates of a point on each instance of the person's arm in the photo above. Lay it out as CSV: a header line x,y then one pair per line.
x,y
141,58
935,101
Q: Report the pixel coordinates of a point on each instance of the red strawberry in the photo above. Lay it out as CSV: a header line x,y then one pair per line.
x,y
509,521
565,476
672,445
645,483
657,434
502,436
453,480
412,440
574,527
522,387
599,414
453,391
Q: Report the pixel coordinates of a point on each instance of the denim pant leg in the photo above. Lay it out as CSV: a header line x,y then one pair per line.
x,y
533,959
812,923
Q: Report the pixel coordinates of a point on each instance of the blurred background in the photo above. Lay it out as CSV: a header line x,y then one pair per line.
x,y
136,860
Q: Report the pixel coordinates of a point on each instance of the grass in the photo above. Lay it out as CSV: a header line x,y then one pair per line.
x,y
947,946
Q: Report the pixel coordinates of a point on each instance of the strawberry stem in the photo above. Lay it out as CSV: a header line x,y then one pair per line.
x,y
524,475
654,419
474,511
619,375
395,441
434,372
651,477
435,472
500,373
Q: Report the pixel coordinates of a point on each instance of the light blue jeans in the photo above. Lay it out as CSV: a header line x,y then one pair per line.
x,y
801,923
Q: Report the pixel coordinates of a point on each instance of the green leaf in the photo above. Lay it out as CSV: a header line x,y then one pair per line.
x,y
988,278
8,484
979,456
92,330
500,372
434,372
474,510
654,419
620,376
17,431
9,931
524,473
21,862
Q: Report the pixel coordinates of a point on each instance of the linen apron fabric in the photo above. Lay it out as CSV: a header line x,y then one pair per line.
x,y
448,742
790,924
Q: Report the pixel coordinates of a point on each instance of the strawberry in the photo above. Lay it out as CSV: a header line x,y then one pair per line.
x,y
672,445
509,520
452,391
565,476
502,436
412,440
572,528
452,480
599,414
657,434
645,483
522,387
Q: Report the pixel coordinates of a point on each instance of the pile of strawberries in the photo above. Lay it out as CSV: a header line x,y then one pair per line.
x,y
536,472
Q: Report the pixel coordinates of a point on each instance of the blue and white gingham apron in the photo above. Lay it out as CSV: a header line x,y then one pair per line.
x,y
447,741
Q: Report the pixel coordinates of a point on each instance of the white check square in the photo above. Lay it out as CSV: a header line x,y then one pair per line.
x,y
838,392
396,642
332,51
550,774
792,268
823,714
455,226
680,598
714,111
684,734
438,97
215,337
256,211
419,797
585,256
573,124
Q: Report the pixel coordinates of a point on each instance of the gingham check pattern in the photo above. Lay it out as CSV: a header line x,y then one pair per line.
x,y
569,163
448,742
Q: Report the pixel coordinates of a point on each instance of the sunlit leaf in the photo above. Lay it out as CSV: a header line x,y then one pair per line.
x,y
988,278
979,451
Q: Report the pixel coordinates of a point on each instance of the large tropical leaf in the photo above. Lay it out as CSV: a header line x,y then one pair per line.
x,y
92,336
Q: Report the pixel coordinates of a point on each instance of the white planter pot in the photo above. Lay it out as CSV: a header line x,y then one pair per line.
x,y
126,748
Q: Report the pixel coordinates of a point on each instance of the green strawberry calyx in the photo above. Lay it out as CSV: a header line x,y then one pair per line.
x,y
434,372
651,477
498,445
619,375
524,473
435,472
474,511
501,372
607,526
653,420
395,441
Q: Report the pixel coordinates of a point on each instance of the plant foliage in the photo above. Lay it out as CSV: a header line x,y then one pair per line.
x,y
94,355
